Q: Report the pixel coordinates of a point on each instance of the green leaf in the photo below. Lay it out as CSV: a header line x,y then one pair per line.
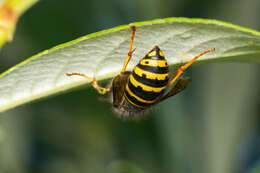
x,y
102,55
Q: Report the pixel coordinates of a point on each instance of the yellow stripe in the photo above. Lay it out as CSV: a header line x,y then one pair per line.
x,y
145,87
154,63
132,102
138,98
153,53
150,75
161,54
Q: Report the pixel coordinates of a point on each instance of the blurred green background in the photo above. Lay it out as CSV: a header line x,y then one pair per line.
x,y
211,127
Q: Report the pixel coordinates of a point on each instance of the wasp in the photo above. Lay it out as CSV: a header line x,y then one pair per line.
x,y
135,92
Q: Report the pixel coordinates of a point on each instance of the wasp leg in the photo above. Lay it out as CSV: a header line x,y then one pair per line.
x,y
178,87
95,84
107,99
129,56
185,66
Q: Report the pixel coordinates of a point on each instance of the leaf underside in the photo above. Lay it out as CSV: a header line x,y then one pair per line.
x,y
102,55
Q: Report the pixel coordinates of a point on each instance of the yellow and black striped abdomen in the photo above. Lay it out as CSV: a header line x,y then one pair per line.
x,y
148,80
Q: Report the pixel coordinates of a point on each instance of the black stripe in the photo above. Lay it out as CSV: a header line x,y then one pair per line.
x,y
145,95
137,102
156,57
153,69
150,82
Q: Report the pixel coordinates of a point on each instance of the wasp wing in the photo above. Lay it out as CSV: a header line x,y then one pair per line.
x,y
118,86
178,87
